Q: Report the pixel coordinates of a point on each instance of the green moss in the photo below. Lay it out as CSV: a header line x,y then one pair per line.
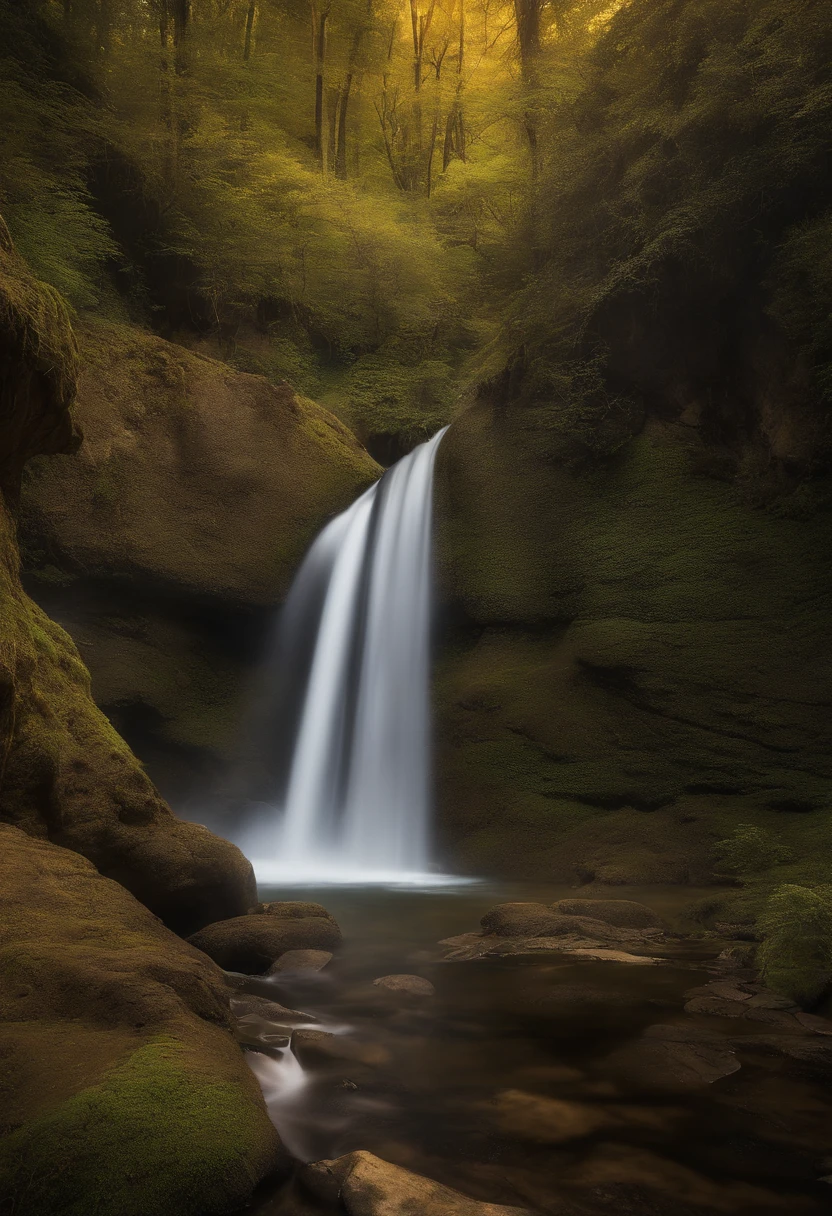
x,y
643,665
156,1138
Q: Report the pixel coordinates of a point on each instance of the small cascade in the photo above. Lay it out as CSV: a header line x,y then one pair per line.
x,y
352,798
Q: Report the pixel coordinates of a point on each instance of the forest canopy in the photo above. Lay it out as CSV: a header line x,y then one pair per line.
x,y
599,208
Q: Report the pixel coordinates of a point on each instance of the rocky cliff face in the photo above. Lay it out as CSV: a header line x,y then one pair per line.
x,y
165,543
65,775
123,1088
639,660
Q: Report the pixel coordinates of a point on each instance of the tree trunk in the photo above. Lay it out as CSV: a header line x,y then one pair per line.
x,y
527,16
455,125
319,20
435,128
341,153
181,16
250,15
333,102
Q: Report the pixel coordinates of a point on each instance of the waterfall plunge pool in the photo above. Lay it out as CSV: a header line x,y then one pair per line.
x,y
464,1087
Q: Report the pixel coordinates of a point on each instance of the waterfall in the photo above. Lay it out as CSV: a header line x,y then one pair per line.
x,y
353,801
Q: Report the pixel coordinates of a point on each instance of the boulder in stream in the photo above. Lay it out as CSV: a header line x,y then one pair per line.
x,y
297,961
623,913
673,1057
525,920
253,943
314,1047
367,1186
409,986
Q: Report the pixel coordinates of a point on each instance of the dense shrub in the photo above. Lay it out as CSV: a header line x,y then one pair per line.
x,y
795,956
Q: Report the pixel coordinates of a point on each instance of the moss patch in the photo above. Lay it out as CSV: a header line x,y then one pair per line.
x,y
122,1088
157,1137
641,664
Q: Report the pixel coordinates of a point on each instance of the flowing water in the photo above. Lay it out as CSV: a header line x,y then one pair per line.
x,y
456,1088
352,801
523,1080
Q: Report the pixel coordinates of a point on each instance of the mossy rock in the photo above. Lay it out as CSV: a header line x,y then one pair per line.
x,y
123,1087
192,475
194,496
38,369
640,661
64,772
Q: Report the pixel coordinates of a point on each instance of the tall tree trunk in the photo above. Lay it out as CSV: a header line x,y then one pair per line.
x,y
346,89
250,15
527,16
333,104
455,126
181,16
420,26
319,20
431,149
341,153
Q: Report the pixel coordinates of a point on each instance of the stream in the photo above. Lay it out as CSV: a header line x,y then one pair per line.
x,y
514,1083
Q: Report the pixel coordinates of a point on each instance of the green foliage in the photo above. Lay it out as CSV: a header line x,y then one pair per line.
x,y
47,136
683,212
795,956
749,850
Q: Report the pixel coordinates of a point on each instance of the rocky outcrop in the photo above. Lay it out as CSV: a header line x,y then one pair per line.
x,y
164,544
253,944
367,1186
530,928
123,1089
65,774
636,657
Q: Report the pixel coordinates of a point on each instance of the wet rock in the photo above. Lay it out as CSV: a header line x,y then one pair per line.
x,y
301,960
764,999
633,1180
716,1006
367,1186
475,945
622,913
810,1054
723,989
251,944
547,1120
406,985
313,1047
269,1010
524,920
772,1017
236,979
255,1032
292,909
817,1025
673,1057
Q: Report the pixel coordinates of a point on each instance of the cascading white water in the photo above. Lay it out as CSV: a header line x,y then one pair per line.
x,y
356,804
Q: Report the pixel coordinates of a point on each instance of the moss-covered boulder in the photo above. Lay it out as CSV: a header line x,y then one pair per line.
x,y
123,1089
639,662
64,772
252,944
165,543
